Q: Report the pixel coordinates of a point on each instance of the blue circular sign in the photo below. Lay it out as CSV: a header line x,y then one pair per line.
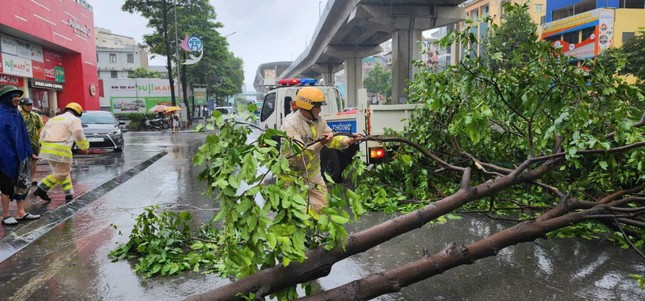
x,y
195,43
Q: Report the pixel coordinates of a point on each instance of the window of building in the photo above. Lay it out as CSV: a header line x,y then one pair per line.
x,y
97,57
572,37
578,8
587,32
552,38
130,74
542,20
538,8
114,74
631,4
475,13
485,11
627,36
112,58
130,58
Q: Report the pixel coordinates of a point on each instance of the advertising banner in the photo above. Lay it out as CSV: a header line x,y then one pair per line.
x,y
17,66
199,95
136,95
8,45
11,80
38,70
59,74
52,62
601,20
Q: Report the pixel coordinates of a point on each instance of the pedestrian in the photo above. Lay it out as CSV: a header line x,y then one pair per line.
x,y
15,150
175,123
57,139
305,126
34,126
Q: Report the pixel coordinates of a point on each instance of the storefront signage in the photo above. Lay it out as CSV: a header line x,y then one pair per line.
x,y
152,88
46,84
59,74
21,48
199,95
17,66
10,80
92,89
79,29
84,3
8,45
600,20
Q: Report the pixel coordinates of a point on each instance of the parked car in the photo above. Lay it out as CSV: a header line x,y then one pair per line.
x,y
103,130
225,110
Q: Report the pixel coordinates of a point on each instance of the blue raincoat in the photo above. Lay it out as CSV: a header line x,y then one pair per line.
x,y
14,139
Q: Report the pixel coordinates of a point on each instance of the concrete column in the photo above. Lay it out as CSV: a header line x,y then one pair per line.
x,y
354,79
405,49
53,102
328,75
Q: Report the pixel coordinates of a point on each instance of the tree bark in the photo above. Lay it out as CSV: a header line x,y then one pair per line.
x,y
319,261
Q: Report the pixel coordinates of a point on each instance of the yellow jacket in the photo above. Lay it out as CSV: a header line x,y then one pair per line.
x,y
59,135
298,127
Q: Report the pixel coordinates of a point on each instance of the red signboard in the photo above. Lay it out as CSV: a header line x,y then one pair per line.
x,y
11,80
38,70
51,60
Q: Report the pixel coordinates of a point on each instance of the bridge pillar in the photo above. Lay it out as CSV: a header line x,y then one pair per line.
x,y
328,75
353,78
405,49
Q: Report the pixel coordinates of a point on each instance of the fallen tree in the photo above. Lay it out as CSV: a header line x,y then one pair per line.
x,y
550,144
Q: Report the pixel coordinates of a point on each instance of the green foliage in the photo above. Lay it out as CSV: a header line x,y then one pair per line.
x,y
628,59
379,80
161,240
218,69
521,100
144,73
259,224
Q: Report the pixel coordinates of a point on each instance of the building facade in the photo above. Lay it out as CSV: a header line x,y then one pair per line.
x,y
585,28
47,48
118,56
494,8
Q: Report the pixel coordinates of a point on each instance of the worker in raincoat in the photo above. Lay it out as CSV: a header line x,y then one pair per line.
x,y
57,139
34,126
15,156
305,126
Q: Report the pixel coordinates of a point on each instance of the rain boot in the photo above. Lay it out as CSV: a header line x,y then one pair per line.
x,y
42,194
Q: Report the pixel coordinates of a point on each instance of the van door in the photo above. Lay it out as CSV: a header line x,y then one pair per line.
x,y
268,115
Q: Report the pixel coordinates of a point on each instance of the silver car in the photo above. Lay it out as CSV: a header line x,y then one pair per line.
x,y
103,130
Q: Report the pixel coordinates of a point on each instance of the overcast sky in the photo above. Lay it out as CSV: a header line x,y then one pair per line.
x,y
261,31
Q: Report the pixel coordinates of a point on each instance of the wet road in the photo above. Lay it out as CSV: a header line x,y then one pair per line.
x,y
63,256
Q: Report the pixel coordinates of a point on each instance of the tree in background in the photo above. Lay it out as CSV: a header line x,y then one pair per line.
x,y
219,69
379,81
629,59
515,32
144,73
158,13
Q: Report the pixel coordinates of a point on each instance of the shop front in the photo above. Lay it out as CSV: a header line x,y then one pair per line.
x,y
42,41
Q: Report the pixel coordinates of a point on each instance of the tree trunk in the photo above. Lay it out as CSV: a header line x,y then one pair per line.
x,y
171,81
319,261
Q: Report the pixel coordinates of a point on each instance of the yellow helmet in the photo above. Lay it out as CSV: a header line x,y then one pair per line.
x,y
308,97
75,107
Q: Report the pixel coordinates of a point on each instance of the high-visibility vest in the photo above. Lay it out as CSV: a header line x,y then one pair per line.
x,y
59,135
301,129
